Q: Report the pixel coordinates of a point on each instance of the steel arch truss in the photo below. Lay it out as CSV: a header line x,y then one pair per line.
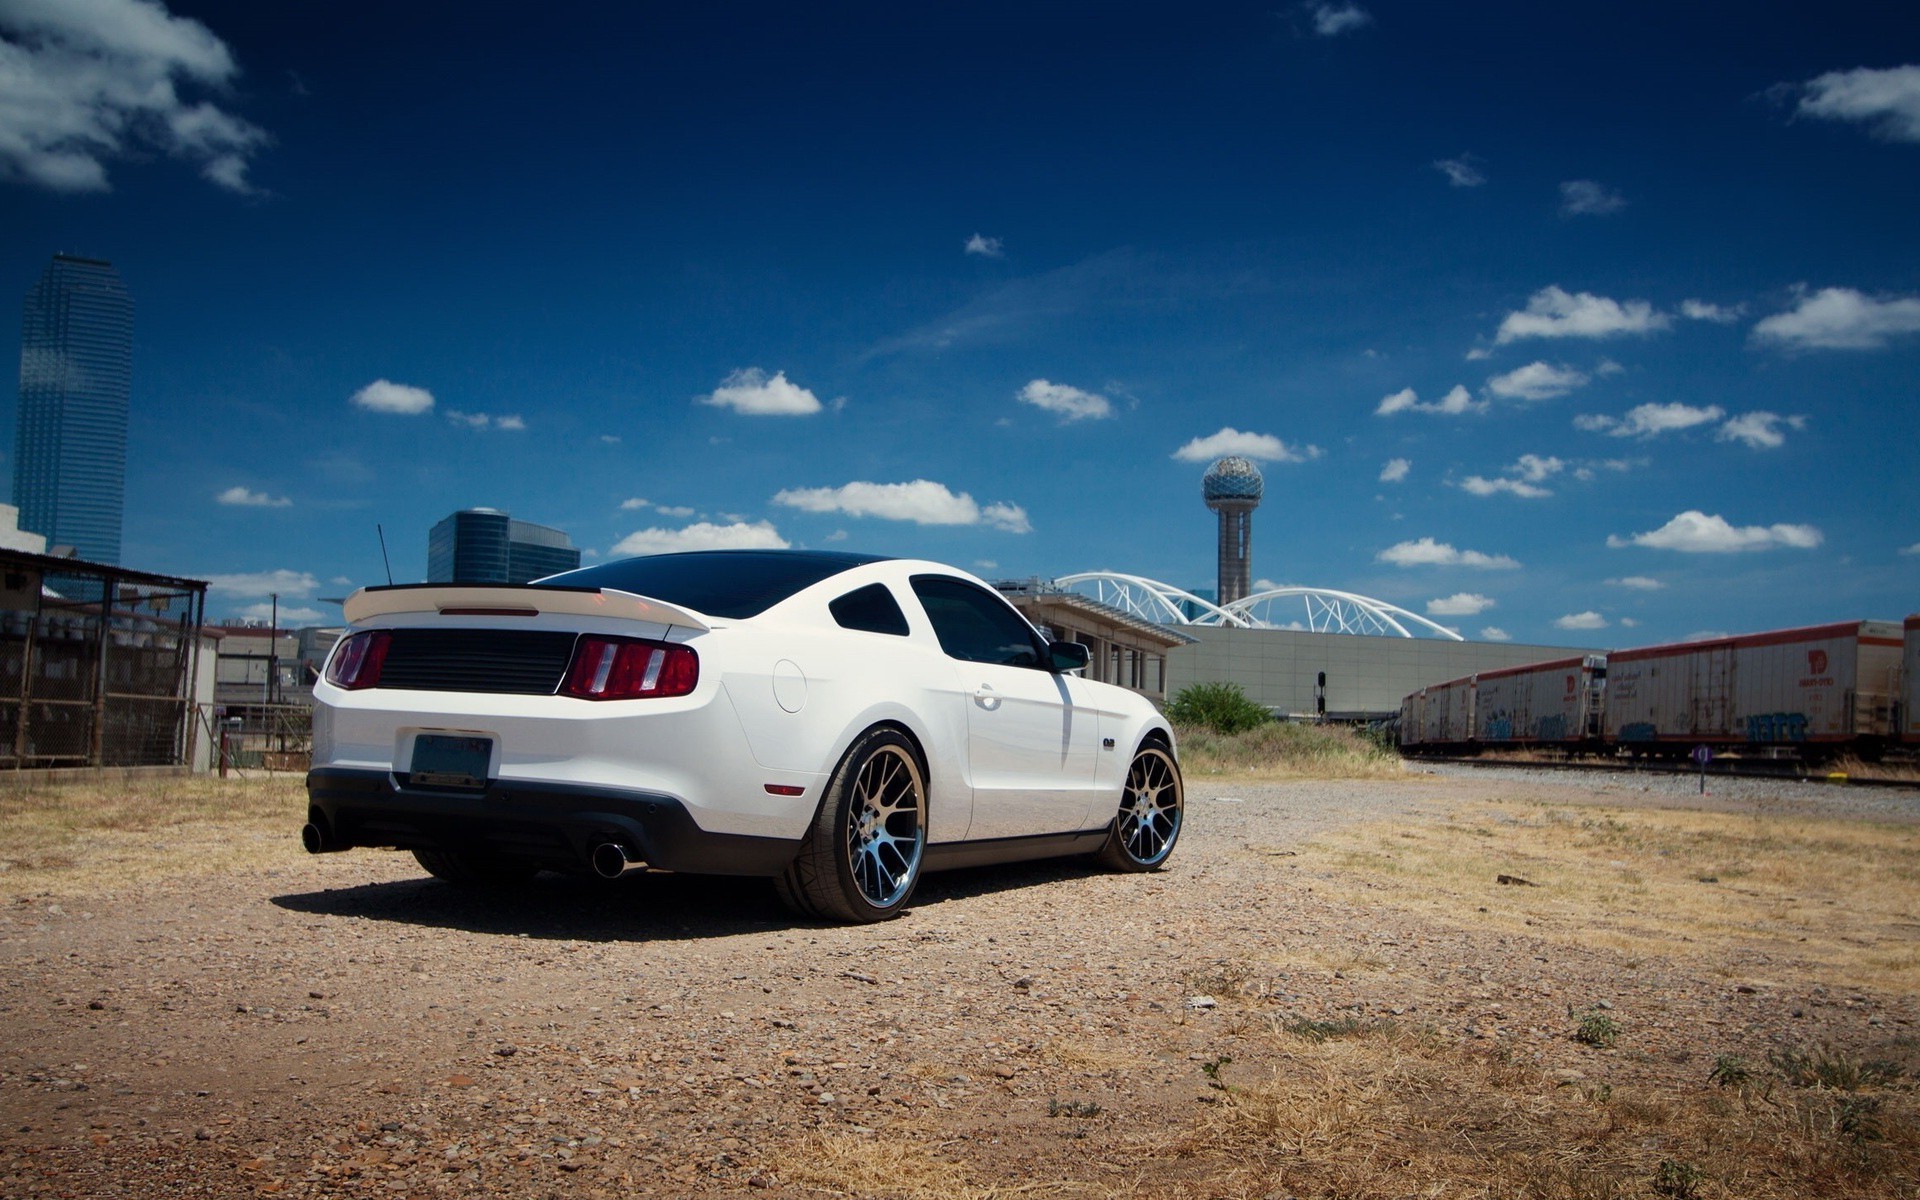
x,y
1322,610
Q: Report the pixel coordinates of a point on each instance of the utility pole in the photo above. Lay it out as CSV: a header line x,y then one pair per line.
x,y
273,645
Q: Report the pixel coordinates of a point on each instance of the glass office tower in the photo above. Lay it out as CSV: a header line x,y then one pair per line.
x,y
70,443
485,545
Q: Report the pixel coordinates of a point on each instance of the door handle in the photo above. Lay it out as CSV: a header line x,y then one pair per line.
x,y
986,697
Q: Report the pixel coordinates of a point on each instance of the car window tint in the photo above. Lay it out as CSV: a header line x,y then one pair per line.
x,y
974,624
718,583
871,608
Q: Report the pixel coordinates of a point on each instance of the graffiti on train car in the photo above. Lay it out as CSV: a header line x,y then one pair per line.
x,y
1777,727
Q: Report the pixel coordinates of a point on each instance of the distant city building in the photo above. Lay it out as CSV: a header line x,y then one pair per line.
x,y
485,545
1233,488
70,444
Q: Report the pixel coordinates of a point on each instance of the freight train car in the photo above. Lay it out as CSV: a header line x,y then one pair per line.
x,y
1910,685
1823,685
1544,704
1437,716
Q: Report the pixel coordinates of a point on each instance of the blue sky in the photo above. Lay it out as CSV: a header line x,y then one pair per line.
x,y
1594,325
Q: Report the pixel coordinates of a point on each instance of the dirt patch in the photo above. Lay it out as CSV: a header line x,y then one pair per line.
x,y
1263,1018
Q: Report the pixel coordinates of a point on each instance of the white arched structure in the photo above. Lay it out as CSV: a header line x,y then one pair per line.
x,y
1323,610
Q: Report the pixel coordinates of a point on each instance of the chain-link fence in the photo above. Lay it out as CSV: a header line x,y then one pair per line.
x,y
96,665
253,737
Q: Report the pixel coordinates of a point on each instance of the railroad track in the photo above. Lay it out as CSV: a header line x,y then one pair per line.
x,y
1731,768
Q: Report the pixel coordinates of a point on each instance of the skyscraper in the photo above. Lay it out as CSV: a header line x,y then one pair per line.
x,y
485,545
70,443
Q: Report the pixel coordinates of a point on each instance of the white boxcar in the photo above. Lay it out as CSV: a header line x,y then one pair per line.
x,y
1445,715
1910,684
1550,703
1823,684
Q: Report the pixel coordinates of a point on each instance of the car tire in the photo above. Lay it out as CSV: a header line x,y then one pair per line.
x,y
1152,809
860,860
472,870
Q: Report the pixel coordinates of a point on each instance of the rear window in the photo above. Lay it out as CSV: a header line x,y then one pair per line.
x,y
717,583
872,609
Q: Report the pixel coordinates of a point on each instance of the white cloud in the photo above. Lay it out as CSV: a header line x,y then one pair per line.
x,y
1700,310
249,499
289,615
1913,549
838,535
297,585
1650,420
985,564
921,501
1554,312
86,81
1644,583
760,535
1426,552
1460,172
753,392
1460,604
1332,20
1261,447
1841,319
1629,623
1533,468
1581,620
1694,532
1760,430
1480,485
631,503
1069,403
1888,101
1395,470
484,420
1585,198
673,510
985,247
1536,381
1493,633
383,396
1456,402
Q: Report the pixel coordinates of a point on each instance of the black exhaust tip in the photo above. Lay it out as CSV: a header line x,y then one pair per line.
x,y
610,861
314,838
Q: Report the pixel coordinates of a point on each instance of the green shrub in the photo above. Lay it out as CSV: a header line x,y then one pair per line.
x,y
1221,707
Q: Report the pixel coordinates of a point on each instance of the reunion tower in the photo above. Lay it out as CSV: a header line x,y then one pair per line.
x,y
1233,488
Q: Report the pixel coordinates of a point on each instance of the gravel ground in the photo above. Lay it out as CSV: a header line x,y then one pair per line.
x,y
343,1026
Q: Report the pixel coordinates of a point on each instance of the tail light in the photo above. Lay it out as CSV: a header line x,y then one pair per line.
x,y
357,661
610,668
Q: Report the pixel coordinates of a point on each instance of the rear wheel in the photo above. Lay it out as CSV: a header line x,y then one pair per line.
x,y
861,859
473,870
1151,809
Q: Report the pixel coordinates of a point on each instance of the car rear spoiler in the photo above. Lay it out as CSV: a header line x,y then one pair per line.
x,y
506,600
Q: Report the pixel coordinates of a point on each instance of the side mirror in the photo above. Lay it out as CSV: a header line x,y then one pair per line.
x,y
1067,656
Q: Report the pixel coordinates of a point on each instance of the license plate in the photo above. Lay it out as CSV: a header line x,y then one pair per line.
x,y
444,760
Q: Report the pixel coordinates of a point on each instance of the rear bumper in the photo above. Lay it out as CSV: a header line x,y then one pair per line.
x,y
553,825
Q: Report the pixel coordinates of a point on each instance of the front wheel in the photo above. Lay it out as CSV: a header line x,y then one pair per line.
x,y
1151,808
861,859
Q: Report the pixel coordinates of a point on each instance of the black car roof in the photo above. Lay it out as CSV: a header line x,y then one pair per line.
x,y
718,583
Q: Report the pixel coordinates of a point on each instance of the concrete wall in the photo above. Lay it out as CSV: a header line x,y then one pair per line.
x,y
1277,667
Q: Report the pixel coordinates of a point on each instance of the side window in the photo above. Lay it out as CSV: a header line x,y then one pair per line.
x,y
871,608
974,624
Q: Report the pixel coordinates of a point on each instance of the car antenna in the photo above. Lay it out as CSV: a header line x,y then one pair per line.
x,y
383,552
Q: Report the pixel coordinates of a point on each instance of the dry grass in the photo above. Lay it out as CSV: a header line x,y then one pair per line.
x,y
1287,750
1382,1112
873,1164
1825,897
76,837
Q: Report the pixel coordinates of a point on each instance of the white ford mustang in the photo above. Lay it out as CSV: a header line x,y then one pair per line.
x,y
836,722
